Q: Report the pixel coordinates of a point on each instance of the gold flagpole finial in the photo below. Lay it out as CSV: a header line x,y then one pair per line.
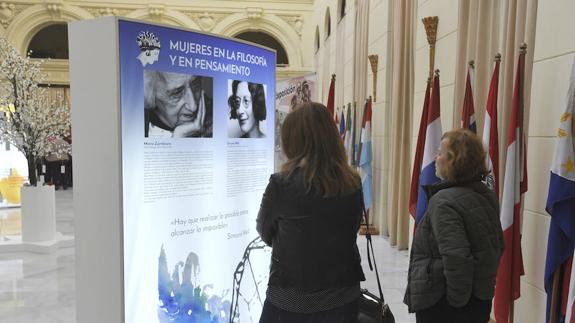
x,y
373,60
430,24
523,48
472,64
437,73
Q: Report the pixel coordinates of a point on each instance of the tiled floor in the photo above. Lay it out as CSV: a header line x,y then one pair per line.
x,y
38,288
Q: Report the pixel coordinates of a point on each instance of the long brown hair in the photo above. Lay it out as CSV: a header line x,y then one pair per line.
x,y
310,141
465,156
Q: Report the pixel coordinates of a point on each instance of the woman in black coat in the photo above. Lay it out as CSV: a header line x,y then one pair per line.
x,y
310,214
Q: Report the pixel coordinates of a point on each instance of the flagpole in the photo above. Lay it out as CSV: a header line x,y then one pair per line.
x,y
554,297
520,143
496,176
521,146
353,136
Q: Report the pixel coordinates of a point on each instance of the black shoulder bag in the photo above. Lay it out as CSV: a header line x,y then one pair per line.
x,y
372,309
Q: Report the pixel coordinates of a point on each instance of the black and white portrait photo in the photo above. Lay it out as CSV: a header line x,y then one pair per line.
x,y
177,105
247,107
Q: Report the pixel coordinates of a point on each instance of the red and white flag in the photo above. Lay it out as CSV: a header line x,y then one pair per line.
x,y
468,111
490,132
331,96
507,287
418,159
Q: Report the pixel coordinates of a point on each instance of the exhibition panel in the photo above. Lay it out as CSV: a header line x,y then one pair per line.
x,y
183,135
196,158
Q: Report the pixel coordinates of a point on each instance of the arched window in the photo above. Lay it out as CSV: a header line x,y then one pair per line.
x,y
50,42
341,9
316,45
264,39
327,24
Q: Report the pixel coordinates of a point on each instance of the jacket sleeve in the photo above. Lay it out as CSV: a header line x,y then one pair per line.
x,y
266,222
449,230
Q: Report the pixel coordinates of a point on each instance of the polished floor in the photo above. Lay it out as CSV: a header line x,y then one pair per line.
x,y
37,288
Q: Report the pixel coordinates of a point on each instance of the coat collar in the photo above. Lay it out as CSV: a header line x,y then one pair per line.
x,y
432,189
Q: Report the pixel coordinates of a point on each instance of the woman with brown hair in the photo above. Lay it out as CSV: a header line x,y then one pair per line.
x,y
458,242
309,215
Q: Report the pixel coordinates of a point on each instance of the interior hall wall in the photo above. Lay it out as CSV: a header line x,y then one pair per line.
x,y
554,52
553,57
380,39
379,43
324,62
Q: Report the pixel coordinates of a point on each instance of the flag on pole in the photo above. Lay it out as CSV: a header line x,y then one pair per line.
x,y
330,96
365,155
359,145
561,207
507,287
353,140
414,188
433,135
342,125
337,118
490,132
347,142
468,112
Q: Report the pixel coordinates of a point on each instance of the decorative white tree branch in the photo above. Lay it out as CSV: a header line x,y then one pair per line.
x,y
29,119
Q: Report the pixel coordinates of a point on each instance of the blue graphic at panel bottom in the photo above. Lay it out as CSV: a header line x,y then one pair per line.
x,y
184,301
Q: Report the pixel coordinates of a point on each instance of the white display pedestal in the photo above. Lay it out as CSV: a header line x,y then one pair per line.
x,y
38,213
15,244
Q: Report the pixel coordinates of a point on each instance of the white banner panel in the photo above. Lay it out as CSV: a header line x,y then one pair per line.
x,y
197,152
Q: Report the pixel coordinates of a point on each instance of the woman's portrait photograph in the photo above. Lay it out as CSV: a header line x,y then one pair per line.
x,y
247,109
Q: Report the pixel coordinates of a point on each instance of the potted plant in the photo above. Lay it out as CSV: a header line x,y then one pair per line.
x,y
31,121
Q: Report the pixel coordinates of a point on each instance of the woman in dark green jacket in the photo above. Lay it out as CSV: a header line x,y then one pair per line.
x,y
458,242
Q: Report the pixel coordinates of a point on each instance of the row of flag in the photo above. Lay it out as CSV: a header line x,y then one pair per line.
x,y
560,205
559,285
515,182
561,197
360,154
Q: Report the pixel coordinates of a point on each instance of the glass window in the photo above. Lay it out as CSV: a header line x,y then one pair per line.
x,y
50,42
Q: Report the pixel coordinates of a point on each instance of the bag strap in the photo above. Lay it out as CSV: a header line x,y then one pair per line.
x,y
370,248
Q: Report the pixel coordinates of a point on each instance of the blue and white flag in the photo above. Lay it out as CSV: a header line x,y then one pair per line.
x,y
561,203
348,143
365,156
342,126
